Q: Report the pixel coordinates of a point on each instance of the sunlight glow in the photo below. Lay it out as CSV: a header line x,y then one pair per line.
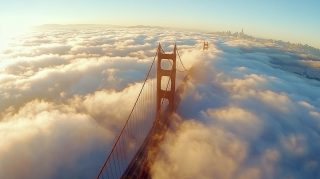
x,y
9,32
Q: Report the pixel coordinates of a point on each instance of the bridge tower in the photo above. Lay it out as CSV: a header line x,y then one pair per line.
x,y
139,166
205,45
166,67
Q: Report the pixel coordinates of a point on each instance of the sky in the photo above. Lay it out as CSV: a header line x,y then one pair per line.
x,y
289,20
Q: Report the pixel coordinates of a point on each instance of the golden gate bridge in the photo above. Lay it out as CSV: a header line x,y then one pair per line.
x,y
136,147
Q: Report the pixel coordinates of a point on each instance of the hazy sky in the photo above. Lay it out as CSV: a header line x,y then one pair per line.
x,y
289,20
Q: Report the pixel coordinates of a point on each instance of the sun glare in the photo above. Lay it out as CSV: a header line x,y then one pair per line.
x,y
8,33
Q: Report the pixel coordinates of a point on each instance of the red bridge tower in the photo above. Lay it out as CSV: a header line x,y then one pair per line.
x,y
166,68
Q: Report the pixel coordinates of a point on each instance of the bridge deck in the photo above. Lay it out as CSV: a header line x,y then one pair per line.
x,y
144,158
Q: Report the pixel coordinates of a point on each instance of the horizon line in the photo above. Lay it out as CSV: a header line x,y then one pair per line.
x,y
172,28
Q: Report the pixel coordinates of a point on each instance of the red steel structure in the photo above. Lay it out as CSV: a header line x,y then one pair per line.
x,y
167,94
136,147
205,45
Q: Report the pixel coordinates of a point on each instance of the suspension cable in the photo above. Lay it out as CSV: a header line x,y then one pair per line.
x,y
126,123
181,60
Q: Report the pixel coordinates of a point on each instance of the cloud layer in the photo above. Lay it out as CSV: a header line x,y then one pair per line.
x,y
244,117
249,109
65,92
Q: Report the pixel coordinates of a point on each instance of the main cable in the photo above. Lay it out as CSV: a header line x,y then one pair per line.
x,y
181,61
126,123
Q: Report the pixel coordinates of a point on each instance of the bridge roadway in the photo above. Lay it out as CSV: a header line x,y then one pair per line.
x,y
140,165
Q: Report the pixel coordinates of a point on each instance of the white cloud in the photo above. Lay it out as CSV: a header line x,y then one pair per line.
x,y
197,151
43,137
250,110
238,120
269,112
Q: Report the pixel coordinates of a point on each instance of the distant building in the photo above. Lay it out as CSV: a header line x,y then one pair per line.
x,y
241,34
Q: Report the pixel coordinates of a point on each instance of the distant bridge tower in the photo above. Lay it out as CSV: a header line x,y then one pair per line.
x,y
205,45
166,67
